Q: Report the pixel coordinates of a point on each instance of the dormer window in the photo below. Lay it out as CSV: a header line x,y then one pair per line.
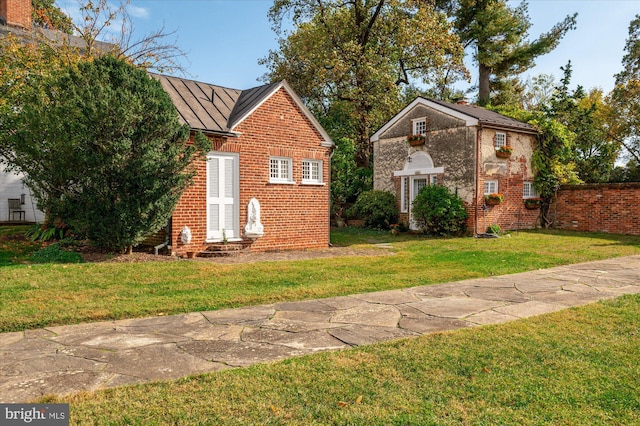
x,y
500,140
420,126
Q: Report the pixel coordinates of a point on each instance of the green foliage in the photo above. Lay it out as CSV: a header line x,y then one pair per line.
x,y
625,98
438,211
47,15
356,56
44,233
103,150
348,180
593,151
499,33
54,253
494,229
376,208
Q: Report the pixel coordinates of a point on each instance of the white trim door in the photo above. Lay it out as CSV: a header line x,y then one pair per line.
x,y
416,183
223,213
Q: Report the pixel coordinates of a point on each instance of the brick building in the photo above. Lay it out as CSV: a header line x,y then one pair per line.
x,y
458,146
265,184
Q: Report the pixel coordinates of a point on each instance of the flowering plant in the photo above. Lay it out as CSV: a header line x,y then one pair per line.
x,y
506,149
494,198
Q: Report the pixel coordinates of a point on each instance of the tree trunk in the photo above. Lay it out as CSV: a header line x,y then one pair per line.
x,y
484,89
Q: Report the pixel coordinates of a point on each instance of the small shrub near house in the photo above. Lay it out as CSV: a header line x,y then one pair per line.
x,y
377,209
439,212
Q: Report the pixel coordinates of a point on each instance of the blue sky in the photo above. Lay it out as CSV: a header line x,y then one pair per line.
x,y
226,38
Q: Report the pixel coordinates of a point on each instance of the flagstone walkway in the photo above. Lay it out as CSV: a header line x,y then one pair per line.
x,y
67,359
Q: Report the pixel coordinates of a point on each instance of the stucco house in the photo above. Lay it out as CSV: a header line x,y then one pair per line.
x,y
459,146
265,184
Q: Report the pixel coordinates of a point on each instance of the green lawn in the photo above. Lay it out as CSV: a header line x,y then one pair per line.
x,y
574,367
36,295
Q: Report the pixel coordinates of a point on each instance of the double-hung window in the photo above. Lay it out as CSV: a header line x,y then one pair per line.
x,y
490,187
311,171
501,139
280,170
529,191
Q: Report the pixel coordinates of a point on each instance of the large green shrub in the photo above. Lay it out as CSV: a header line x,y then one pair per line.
x,y
437,211
376,208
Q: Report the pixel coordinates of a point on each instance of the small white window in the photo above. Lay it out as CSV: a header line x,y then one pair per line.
x,y
433,179
501,139
311,171
528,190
490,187
280,170
420,126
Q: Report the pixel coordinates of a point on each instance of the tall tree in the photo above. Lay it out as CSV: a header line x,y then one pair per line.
x,y
356,56
585,114
102,148
625,98
499,33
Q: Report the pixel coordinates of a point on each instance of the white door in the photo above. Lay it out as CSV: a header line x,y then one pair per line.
x,y
222,197
416,184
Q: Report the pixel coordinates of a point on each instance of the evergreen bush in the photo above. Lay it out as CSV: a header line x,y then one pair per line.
x,y
377,209
437,211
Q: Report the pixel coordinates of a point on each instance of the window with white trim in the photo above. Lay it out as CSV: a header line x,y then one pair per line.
x,y
420,126
490,187
500,139
433,179
311,171
529,191
280,170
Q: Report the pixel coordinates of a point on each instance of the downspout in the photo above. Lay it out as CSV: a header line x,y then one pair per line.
x,y
477,175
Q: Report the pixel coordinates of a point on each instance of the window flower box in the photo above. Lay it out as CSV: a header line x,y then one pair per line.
x,y
504,151
493,199
532,203
416,140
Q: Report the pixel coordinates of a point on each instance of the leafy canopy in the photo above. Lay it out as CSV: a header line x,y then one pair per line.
x,y
356,56
102,148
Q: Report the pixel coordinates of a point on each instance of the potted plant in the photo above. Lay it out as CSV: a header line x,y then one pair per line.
x,y
493,199
415,140
395,228
504,151
532,203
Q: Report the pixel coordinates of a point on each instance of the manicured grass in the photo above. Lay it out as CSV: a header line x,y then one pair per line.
x,y
51,294
574,367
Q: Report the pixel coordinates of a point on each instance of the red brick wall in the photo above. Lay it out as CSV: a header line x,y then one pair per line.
x,y
511,214
611,208
294,216
16,12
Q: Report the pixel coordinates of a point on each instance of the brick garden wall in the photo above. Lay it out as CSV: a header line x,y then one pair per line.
x,y
612,208
295,216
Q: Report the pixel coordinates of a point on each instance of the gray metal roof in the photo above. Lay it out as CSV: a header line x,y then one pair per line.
x,y
200,105
486,117
41,35
218,110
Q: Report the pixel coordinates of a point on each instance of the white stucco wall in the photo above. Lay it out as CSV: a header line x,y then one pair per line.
x,y
11,186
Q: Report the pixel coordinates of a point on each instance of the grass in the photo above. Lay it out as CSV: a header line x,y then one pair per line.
x,y
53,294
577,366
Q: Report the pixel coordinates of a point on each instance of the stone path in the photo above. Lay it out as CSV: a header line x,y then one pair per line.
x,y
67,359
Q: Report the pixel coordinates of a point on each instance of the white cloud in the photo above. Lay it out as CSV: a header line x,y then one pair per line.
x,y
138,12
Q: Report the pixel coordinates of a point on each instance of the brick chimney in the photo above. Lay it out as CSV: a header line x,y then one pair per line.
x,y
16,13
